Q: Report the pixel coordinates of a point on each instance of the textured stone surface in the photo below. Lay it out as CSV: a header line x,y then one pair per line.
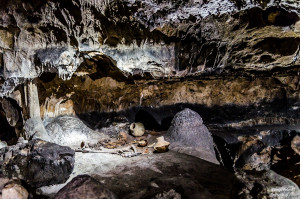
x,y
84,186
189,135
164,38
146,176
71,131
38,162
214,41
3,144
235,61
295,144
267,184
253,155
14,191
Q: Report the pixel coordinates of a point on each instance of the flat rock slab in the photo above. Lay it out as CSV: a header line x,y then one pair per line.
x,y
146,176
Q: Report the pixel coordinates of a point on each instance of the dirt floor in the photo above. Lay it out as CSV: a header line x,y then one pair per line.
x,y
146,176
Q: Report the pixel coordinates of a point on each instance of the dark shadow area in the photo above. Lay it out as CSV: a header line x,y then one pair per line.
x,y
257,17
47,77
147,119
7,132
281,46
161,117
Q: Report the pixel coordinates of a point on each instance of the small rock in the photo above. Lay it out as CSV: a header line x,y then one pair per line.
x,y
189,135
295,144
172,194
161,145
84,186
14,191
123,136
142,143
137,129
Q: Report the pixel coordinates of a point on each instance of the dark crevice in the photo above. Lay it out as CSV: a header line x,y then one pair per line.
x,y
282,46
47,76
7,132
257,17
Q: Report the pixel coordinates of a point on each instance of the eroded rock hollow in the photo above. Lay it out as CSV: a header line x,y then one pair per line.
x,y
217,80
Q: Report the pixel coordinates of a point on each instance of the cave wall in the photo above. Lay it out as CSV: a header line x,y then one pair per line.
x,y
112,56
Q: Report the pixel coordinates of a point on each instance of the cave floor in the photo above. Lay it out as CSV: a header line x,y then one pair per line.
x,y
145,176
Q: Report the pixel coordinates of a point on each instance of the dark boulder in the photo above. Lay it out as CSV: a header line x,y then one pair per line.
x,y
253,154
37,162
264,184
84,186
189,135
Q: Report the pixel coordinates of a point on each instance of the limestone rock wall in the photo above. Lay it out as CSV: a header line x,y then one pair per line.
x,y
109,55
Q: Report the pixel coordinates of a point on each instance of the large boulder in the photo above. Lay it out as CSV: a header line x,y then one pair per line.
x,y
71,131
84,186
37,162
189,135
266,184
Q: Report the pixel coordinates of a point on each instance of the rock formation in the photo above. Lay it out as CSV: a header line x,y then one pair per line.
x,y
14,191
188,134
69,69
37,162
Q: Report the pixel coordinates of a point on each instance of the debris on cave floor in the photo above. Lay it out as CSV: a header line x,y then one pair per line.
x,y
127,145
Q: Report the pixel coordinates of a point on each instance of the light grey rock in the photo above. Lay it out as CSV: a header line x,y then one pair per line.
x,y
35,129
3,144
187,134
71,131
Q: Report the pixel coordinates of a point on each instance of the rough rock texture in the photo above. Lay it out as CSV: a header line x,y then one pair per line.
x,y
168,195
14,191
253,155
267,184
296,144
84,186
233,54
35,129
189,135
234,61
38,162
146,176
160,37
71,131
3,144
